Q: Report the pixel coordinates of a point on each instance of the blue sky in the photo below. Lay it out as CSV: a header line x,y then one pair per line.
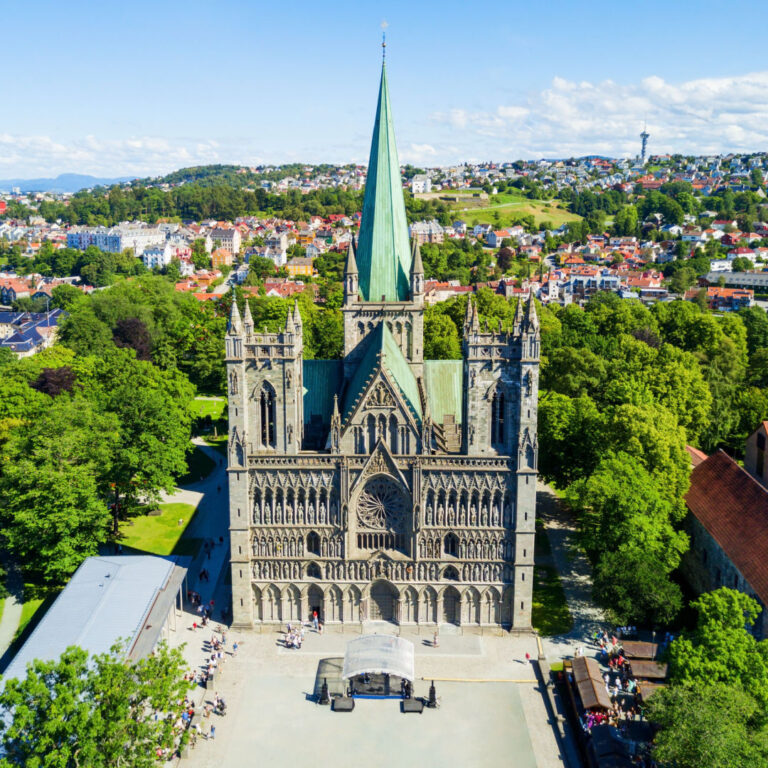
x,y
146,87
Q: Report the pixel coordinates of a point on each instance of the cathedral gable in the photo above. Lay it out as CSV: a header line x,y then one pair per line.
x,y
379,397
380,462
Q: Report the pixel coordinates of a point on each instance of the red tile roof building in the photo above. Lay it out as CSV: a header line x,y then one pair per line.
x,y
728,524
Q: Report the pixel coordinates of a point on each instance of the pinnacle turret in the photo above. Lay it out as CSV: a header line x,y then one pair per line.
x,y
350,268
417,266
235,324
518,316
531,318
248,319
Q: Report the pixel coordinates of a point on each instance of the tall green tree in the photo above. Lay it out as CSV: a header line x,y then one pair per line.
x,y
722,649
707,724
154,421
98,711
54,485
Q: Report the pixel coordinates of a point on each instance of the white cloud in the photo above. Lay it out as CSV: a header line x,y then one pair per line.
x,y
568,118
30,156
575,118
417,153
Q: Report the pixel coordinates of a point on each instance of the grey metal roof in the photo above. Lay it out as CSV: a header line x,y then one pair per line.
x,y
107,599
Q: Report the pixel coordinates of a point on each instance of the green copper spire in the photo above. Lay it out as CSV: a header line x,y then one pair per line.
x,y
383,252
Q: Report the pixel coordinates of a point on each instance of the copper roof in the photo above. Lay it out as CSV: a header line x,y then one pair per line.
x,y
733,508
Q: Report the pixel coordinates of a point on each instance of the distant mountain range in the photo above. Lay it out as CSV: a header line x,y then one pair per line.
x,y
64,182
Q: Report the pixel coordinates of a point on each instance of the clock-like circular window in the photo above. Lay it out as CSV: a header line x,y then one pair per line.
x,y
382,505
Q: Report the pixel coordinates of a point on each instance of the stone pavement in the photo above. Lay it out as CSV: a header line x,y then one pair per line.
x,y
271,715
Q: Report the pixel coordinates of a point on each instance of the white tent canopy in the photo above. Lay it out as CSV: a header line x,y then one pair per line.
x,y
377,655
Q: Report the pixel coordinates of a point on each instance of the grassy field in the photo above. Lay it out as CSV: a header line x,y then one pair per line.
x,y
219,443
504,214
213,407
161,534
550,610
28,610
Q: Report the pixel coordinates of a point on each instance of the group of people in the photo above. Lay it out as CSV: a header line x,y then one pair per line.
x,y
620,685
294,636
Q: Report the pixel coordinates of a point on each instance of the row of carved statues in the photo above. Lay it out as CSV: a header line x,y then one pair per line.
x,y
366,570
462,546
271,511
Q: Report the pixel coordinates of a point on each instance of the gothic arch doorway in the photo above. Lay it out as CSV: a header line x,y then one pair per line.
x,y
383,601
451,605
315,601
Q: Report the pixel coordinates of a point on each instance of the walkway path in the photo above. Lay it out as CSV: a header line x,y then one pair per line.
x,y
11,612
575,575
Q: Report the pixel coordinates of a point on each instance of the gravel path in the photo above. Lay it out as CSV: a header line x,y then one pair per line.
x,y
575,575
11,614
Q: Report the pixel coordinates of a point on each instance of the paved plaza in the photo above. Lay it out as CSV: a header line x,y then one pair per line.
x,y
272,717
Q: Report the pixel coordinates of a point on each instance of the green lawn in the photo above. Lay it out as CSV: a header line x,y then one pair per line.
x,y
219,443
213,407
28,610
504,214
550,610
161,534
542,546
199,466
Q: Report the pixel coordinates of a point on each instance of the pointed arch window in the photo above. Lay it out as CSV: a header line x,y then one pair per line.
x,y
267,411
498,427
313,543
451,544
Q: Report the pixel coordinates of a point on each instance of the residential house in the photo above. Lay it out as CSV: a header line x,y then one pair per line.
x,y
26,333
226,238
495,238
157,255
221,257
421,184
729,299
427,232
300,266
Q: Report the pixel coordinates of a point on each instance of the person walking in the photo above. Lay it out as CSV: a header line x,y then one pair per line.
x,y
435,640
213,732
315,620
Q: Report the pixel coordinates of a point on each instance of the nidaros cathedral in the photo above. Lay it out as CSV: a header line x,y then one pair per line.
x,y
383,486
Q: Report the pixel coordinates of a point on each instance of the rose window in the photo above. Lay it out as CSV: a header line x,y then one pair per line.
x,y
382,506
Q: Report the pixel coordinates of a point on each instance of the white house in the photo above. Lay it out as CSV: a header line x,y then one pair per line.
x,y
421,184
157,255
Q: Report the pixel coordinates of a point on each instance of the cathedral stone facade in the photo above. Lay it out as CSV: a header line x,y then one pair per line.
x,y
383,486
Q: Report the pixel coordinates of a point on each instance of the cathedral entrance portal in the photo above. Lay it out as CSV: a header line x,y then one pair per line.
x,y
451,603
315,600
383,601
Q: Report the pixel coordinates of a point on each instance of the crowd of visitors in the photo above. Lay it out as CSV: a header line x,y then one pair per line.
x,y
294,633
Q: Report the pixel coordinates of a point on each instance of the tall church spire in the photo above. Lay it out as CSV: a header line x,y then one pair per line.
x,y
383,251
